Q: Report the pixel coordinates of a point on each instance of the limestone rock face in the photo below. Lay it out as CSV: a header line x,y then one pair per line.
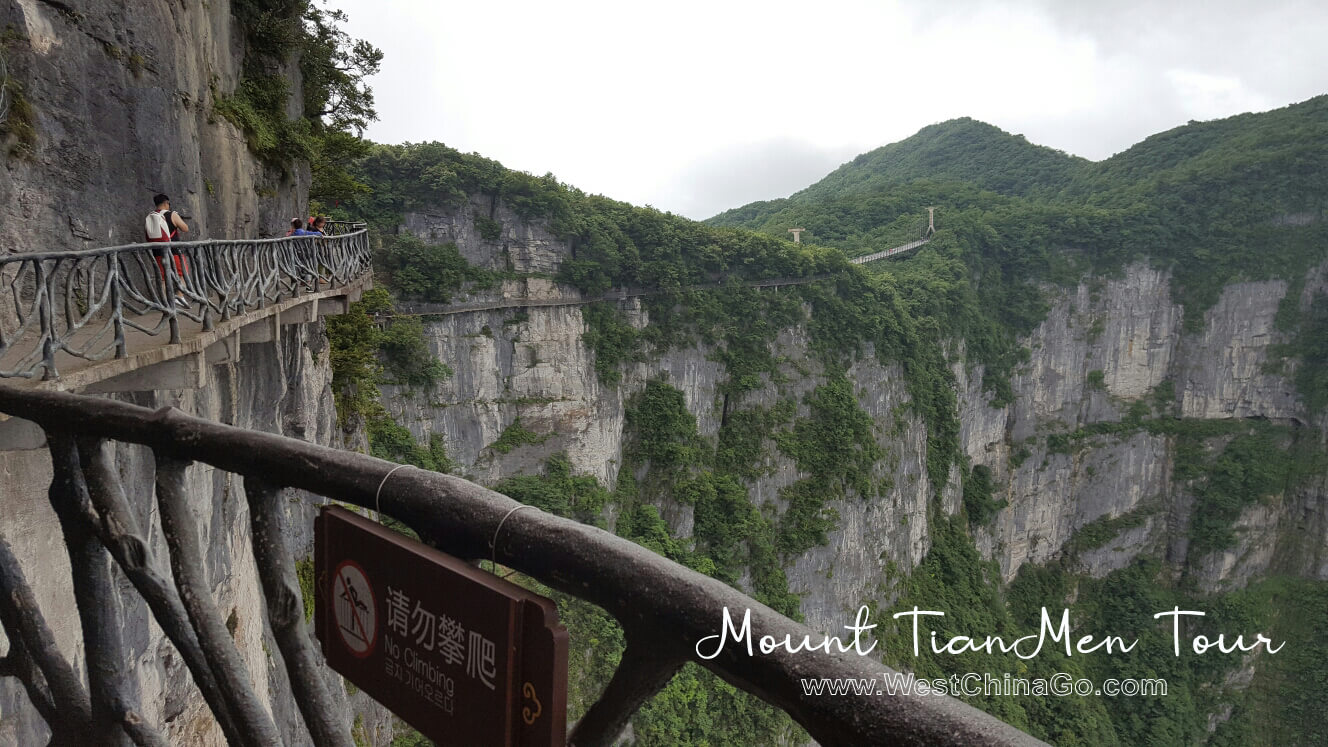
x,y
278,387
122,97
1223,367
1127,335
1106,346
518,245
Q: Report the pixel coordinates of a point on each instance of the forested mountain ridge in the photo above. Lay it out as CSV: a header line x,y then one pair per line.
x,y
1211,202
960,150
1242,148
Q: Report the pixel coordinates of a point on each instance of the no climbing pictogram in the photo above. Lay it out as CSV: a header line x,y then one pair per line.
x,y
356,609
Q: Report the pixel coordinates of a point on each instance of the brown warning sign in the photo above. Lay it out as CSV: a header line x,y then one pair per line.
x,y
465,657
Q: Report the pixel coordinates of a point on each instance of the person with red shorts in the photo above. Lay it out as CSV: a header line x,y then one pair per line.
x,y
166,225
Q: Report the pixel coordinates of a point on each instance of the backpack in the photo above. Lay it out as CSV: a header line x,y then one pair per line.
x,y
156,228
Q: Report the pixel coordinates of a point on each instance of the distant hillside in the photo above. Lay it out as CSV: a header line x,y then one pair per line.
x,y
1282,152
1238,198
960,150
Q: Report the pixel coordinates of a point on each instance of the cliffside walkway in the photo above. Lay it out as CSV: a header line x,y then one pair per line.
x,y
622,294
103,320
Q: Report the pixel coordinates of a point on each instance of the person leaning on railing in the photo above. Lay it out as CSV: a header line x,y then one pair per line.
x,y
315,228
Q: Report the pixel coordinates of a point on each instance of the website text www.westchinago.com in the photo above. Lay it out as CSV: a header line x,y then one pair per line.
x,y
974,684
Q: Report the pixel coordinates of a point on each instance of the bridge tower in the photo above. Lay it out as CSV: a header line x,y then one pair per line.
x,y
797,234
931,221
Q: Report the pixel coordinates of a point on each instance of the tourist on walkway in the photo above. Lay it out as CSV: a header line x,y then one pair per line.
x,y
297,229
166,225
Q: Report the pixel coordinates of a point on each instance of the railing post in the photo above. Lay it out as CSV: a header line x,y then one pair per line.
x,y
315,261
17,663
281,593
180,527
199,268
46,320
260,276
117,307
120,533
172,292
228,284
23,622
89,565
642,673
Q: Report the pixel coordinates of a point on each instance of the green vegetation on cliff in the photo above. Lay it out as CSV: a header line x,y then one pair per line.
x,y
335,101
365,353
1277,706
835,446
1308,346
426,272
662,443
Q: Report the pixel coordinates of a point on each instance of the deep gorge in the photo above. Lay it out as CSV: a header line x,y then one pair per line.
x,y
1137,458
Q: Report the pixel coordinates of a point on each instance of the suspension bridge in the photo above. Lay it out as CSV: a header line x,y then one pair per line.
x,y
864,259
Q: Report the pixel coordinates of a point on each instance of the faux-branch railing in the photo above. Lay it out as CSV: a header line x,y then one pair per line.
x,y
663,607
83,303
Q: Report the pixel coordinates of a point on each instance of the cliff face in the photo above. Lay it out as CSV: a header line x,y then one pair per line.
x,y
120,101
279,387
1129,330
119,97
1109,347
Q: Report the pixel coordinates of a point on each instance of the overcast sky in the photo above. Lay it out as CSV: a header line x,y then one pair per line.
x,y
697,107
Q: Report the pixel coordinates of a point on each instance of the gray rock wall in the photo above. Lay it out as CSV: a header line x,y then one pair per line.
x,y
123,95
1129,329
281,387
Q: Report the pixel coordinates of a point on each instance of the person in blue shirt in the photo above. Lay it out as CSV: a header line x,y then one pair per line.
x,y
297,229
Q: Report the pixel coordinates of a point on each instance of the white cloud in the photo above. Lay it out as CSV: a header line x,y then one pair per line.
x,y
1211,96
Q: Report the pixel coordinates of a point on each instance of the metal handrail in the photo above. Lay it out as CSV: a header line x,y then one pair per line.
x,y
892,251
665,609
83,303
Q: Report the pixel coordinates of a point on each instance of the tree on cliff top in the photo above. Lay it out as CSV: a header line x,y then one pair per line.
x,y
337,102
334,67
